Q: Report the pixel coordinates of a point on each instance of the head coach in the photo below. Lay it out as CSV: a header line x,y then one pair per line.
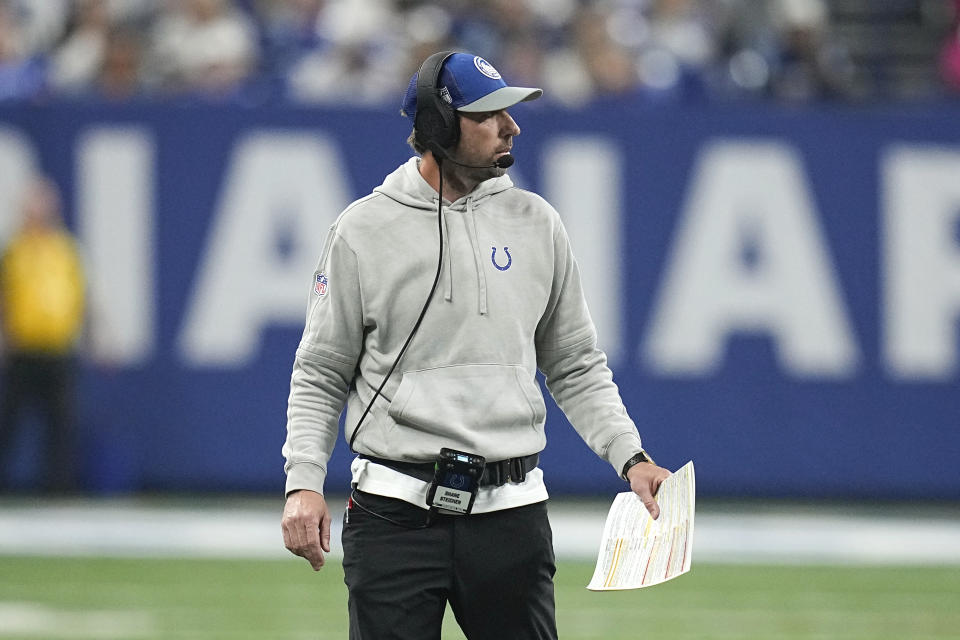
x,y
436,300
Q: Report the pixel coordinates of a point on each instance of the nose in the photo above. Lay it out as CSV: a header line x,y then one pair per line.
x,y
508,126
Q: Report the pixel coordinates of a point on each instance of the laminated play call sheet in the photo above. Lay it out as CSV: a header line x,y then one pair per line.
x,y
638,551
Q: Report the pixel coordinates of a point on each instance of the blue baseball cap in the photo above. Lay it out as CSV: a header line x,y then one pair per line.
x,y
470,83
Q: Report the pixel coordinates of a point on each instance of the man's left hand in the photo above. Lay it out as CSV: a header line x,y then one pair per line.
x,y
645,479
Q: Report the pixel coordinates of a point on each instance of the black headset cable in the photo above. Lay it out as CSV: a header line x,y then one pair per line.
x,y
423,311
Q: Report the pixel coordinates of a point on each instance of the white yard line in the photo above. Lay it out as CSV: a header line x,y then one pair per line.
x,y
33,620
130,528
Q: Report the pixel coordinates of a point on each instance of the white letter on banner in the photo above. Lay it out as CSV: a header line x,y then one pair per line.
x,y
749,258
17,165
115,222
581,176
921,207
282,192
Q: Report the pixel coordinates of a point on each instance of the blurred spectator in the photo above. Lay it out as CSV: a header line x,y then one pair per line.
x,y
204,48
348,51
76,62
42,293
291,30
497,25
684,28
353,51
747,49
21,73
611,69
427,28
681,47
545,53
810,66
41,23
119,76
950,53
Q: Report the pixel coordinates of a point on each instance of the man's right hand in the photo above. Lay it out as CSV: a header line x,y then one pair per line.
x,y
306,526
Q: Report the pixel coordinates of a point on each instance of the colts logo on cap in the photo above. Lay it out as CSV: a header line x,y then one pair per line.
x,y
486,68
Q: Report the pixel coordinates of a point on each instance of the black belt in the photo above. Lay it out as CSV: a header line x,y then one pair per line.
x,y
494,473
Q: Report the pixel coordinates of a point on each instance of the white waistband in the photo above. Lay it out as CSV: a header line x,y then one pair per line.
x,y
384,481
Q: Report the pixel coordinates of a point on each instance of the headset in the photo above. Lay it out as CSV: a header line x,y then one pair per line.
x,y
436,122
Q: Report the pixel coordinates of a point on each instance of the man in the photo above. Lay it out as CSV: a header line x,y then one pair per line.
x,y
42,293
450,365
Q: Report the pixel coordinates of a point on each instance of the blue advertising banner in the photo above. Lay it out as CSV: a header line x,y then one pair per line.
x,y
777,288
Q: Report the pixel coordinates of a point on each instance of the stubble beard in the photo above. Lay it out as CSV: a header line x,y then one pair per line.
x,y
475,175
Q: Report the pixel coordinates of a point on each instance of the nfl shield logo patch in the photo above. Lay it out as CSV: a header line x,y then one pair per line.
x,y
320,288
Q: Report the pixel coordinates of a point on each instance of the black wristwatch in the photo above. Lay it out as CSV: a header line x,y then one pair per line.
x,y
636,459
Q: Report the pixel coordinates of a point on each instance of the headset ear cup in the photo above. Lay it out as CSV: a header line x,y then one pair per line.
x,y
447,132
451,128
437,127
436,122
430,127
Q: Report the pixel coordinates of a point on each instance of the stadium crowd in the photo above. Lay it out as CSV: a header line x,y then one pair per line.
x,y
354,51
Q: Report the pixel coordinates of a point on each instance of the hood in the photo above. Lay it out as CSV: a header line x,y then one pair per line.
x,y
407,186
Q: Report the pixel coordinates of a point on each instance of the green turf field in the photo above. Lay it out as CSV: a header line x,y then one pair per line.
x,y
55,598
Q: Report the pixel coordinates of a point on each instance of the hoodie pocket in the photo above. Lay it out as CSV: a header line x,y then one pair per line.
x,y
477,398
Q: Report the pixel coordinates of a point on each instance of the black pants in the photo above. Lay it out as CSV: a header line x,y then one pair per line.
x,y
495,569
44,383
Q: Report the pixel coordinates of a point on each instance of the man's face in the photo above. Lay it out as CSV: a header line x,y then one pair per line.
x,y
41,205
484,137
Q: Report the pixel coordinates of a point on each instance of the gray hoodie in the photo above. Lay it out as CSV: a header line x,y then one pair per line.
x,y
509,302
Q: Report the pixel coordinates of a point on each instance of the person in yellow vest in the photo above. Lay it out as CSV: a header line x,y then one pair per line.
x,y
42,308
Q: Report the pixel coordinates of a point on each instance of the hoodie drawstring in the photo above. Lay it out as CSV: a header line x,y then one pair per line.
x,y
478,259
448,295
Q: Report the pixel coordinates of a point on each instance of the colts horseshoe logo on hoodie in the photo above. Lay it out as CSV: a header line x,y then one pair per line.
x,y
493,258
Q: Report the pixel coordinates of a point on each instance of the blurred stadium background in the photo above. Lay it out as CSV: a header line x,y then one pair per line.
x,y
764,196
